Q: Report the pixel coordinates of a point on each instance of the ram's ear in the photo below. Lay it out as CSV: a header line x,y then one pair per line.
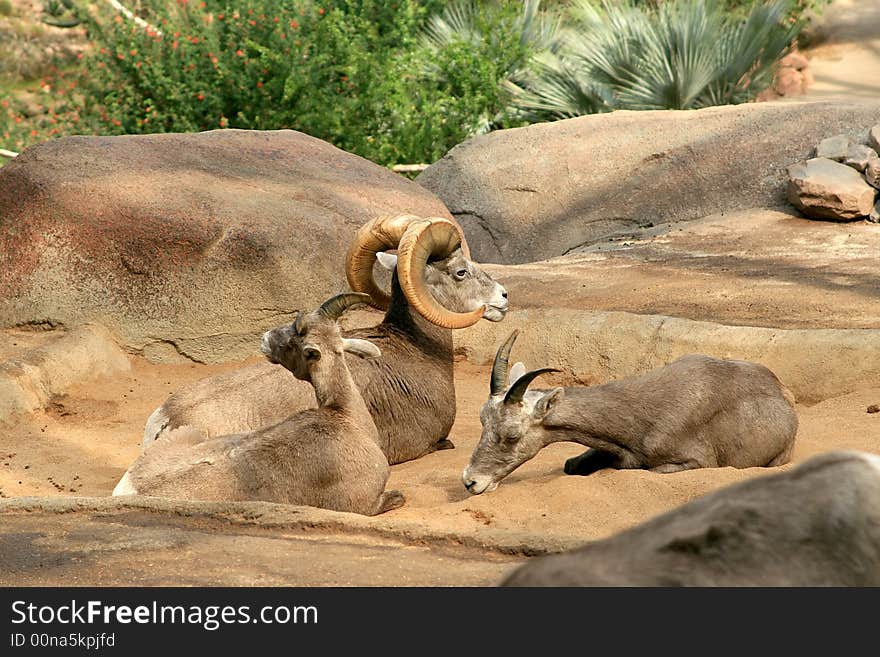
x,y
547,403
362,348
387,260
516,371
312,353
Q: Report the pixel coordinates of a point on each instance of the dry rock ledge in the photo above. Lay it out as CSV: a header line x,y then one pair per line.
x,y
278,517
541,191
590,348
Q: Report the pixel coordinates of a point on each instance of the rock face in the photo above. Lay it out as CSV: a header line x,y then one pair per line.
x,y
834,148
538,192
824,189
872,171
859,156
874,138
186,244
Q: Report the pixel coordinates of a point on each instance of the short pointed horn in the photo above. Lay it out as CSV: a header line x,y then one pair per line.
x,y
376,235
518,389
499,368
436,238
333,307
297,323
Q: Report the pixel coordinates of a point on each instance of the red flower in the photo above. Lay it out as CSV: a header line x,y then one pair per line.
x,y
294,24
252,22
194,40
259,85
321,10
239,52
33,133
133,52
220,17
201,96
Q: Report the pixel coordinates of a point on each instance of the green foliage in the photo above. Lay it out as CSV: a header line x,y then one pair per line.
x,y
680,54
477,50
6,8
352,73
395,81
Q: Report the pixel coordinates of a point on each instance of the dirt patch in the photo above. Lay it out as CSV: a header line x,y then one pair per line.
x,y
537,508
752,268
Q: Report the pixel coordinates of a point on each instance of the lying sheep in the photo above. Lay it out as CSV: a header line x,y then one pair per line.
x,y
815,525
696,412
326,457
435,287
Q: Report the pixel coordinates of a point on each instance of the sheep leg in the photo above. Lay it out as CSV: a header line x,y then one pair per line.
x,y
590,461
392,499
444,443
782,458
666,468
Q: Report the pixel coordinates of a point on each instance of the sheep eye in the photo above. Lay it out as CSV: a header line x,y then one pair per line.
x,y
461,273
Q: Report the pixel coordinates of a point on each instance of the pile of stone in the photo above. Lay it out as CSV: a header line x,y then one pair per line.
x,y
841,182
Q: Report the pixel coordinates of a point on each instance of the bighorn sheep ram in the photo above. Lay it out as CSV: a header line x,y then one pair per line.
x,y
409,391
327,457
696,412
815,525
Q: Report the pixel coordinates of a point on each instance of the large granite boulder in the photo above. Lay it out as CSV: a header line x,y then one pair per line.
x,y
185,244
537,192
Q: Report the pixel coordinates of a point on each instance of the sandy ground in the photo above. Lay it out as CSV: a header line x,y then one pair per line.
x,y
845,64
82,444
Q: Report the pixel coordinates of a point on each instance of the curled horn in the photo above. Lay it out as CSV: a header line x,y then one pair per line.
x,y
333,307
499,368
380,234
434,238
518,389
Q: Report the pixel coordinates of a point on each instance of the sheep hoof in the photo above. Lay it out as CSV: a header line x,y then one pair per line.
x,y
445,444
392,499
571,465
589,462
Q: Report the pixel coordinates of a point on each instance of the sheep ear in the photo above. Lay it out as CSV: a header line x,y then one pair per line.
x,y
547,403
312,353
516,372
387,260
361,348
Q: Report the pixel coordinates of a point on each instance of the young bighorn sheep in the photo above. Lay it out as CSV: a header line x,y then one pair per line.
x,y
815,525
327,457
409,391
696,412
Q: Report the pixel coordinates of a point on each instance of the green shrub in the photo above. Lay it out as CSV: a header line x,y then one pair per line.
x,y
353,73
681,54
